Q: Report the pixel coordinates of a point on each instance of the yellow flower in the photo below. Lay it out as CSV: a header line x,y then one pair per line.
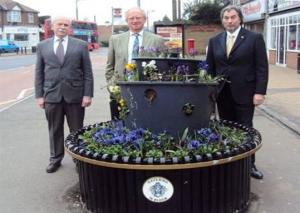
x,y
122,102
130,67
114,89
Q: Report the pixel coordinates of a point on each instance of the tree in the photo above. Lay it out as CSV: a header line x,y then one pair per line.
x,y
203,13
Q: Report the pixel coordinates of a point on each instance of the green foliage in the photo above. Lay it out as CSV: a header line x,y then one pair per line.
x,y
179,153
113,139
202,13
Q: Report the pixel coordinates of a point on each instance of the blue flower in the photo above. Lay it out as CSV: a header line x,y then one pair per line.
x,y
204,132
193,144
119,139
203,65
213,137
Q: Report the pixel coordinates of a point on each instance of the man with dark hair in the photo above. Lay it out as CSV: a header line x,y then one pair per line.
x,y
240,56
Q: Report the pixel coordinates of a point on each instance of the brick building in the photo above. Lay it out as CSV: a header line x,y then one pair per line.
x,y
279,22
19,23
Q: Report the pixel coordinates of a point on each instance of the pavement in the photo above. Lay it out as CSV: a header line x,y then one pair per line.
x,y
25,187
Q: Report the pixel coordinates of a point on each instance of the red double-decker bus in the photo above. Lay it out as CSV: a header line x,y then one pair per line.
x,y
84,30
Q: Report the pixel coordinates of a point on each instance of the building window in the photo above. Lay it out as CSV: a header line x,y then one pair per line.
x,y
292,37
292,25
21,37
30,18
14,16
293,32
273,38
298,36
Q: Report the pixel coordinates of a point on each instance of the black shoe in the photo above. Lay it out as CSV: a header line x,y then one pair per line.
x,y
53,167
255,173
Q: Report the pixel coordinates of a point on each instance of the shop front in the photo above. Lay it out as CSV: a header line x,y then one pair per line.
x,y
254,15
21,35
284,35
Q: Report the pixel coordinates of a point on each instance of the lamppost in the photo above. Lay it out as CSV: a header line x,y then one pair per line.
x,y
76,5
148,11
139,3
76,9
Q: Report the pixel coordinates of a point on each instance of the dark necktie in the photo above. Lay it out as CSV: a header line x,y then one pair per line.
x,y
135,49
60,53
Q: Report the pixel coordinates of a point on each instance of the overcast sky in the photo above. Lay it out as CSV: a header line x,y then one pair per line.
x,y
101,9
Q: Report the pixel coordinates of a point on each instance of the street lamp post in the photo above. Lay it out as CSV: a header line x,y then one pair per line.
x,y
76,9
76,6
148,11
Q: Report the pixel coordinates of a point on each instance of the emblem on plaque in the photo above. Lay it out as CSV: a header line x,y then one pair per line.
x,y
158,189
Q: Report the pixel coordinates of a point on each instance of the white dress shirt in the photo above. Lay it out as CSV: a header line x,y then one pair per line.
x,y
234,34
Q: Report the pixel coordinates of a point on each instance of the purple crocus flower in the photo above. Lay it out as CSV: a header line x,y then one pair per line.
x,y
213,137
193,144
204,132
203,65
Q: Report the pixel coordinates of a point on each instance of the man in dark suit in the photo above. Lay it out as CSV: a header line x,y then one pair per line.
x,y
63,85
240,56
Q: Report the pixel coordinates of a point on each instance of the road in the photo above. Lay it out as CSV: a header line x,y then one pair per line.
x,y
13,61
17,77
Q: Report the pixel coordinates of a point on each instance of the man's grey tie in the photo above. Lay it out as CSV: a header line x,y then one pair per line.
x,y
60,53
136,46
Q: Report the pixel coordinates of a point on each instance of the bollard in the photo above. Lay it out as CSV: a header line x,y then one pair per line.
x,y
191,46
298,64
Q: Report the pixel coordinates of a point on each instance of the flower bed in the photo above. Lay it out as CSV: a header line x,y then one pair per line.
x,y
214,180
111,141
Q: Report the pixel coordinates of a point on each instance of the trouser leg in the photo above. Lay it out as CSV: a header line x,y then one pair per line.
x,y
230,110
55,117
75,115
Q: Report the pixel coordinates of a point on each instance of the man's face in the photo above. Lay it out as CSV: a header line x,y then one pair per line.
x,y
231,20
61,27
135,21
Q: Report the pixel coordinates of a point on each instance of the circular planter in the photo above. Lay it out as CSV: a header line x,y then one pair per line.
x,y
219,182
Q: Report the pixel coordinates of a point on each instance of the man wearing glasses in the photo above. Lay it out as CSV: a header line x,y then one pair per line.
x,y
125,46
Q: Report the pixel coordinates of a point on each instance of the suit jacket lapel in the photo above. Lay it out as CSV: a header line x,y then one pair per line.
x,y
145,39
70,48
240,38
52,54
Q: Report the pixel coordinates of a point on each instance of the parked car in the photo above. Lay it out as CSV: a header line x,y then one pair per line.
x,y
8,46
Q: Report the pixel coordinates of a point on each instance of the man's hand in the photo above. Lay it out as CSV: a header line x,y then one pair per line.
x,y
86,101
258,99
40,102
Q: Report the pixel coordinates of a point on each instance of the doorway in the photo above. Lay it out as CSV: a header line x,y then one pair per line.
x,y
281,50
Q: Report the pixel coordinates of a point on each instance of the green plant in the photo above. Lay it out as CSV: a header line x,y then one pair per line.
x,y
114,139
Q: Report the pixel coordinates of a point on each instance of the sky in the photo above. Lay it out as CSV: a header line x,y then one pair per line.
x,y
101,9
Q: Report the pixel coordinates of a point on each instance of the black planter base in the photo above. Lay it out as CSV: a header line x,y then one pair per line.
x,y
221,188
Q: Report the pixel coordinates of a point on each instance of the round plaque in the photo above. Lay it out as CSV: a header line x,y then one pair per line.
x,y
158,189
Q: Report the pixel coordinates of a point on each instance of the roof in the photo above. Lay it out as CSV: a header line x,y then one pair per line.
x,y
9,5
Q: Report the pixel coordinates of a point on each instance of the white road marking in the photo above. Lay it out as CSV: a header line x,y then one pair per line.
x,y
23,92
15,103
